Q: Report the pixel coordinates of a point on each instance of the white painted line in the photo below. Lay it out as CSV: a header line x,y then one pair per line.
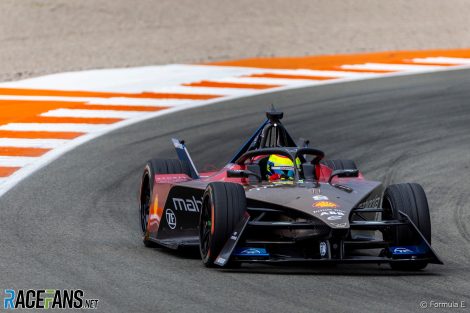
x,y
143,102
391,67
32,143
105,101
138,79
13,161
320,73
93,113
442,60
45,98
188,90
54,127
266,81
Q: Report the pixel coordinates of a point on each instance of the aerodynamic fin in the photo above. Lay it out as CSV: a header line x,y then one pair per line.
x,y
428,249
183,155
224,255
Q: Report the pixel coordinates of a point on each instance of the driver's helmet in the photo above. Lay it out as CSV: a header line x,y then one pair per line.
x,y
280,168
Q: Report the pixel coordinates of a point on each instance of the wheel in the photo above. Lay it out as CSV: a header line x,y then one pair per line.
x,y
340,164
155,166
223,207
411,200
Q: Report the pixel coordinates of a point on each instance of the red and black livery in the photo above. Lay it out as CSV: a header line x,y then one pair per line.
x,y
328,213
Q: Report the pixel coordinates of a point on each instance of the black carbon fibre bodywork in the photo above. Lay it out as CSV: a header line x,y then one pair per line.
x,y
321,215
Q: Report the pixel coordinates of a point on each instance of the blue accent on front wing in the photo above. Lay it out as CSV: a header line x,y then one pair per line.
x,y
250,252
408,250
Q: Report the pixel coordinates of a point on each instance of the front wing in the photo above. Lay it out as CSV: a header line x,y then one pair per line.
x,y
333,249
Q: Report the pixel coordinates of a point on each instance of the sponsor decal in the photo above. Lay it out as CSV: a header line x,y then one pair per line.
x,y
170,218
334,217
339,224
407,250
187,205
325,204
332,212
47,299
234,236
371,203
320,198
329,211
251,252
323,248
402,250
316,191
220,260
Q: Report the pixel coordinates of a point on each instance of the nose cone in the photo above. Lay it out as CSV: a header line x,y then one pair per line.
x,y
323,201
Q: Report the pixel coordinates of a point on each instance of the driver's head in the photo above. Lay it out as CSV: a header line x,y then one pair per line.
x,y
279,168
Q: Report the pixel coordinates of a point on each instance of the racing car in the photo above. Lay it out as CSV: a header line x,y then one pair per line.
x,y
328,212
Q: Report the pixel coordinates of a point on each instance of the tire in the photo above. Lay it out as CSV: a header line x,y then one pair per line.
x,y
155,166
411,200
223,207
340,164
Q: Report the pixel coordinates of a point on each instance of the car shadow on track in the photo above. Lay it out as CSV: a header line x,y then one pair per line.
x,y
328,269
190,253
314,269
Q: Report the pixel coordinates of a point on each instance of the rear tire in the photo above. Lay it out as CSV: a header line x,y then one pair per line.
x,y
340,164
411,200
223,207
153,167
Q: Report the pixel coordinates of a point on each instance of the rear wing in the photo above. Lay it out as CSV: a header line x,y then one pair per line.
x,y
184,156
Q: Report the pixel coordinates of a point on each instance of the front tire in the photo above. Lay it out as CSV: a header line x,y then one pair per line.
x,y
223,207
411,199
153,167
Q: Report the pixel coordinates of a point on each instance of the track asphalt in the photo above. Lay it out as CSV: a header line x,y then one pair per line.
x,y
75,223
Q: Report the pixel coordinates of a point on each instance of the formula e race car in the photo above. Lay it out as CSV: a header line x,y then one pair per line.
x,y
326,213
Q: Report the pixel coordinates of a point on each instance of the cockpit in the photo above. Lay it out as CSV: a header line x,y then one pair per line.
x,y
271,151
